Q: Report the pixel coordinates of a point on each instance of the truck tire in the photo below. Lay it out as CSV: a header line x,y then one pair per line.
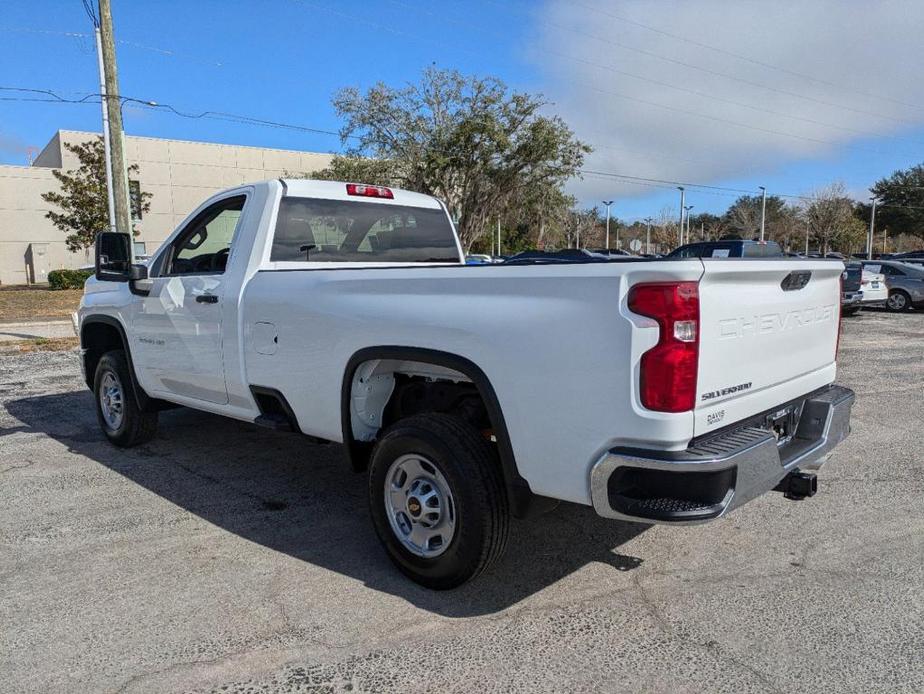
x,y
438,500
852,311
120,418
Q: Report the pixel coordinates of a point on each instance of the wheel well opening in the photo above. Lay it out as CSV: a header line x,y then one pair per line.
x,y
382,385
385,391
97,339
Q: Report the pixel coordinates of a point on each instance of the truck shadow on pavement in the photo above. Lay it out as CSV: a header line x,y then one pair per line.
x,y
291,496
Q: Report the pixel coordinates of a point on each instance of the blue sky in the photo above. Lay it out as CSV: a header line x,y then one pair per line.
x,y
653,106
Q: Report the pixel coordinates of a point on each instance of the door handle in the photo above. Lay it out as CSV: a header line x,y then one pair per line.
x,y
207,299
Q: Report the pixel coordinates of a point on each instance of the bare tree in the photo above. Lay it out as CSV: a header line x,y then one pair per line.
x,y
665,231
831,219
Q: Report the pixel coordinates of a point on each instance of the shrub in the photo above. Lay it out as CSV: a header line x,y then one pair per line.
x,y
68,279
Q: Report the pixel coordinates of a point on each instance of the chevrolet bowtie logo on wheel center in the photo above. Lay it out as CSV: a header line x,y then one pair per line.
x,y
413,505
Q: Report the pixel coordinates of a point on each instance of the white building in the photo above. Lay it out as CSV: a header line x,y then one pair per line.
x,y
178,174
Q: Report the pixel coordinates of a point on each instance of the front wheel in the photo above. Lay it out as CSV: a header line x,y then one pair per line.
x,y
120,418
437,499
898,301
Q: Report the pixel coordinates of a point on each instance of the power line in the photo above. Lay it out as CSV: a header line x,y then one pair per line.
x,y
250,120
726,121
123,42
610,68
739,56
91,13
717,73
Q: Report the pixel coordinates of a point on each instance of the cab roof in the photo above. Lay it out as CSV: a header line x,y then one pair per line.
x,y
337,190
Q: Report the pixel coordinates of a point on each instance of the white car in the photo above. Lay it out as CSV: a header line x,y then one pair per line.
x,y
657,391
874,288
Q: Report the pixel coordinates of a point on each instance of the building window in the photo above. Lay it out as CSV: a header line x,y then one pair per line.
x,y
134,197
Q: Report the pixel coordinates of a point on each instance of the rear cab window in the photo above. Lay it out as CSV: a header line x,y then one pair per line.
x,y
343,231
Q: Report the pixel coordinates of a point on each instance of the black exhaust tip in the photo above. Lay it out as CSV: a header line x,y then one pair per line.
x,y
798,485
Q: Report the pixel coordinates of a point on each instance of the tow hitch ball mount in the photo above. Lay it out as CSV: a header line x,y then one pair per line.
x,y
798,485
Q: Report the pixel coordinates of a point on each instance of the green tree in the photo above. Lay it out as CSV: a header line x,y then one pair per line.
x,y
377,172
467,140
901,197
83,199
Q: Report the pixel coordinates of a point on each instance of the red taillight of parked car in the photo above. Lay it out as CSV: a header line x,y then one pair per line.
x,y
667,381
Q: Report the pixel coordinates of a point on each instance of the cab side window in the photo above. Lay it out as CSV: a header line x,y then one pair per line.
x,y
204,246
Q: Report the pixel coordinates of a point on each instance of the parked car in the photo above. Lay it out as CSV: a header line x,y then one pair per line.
x,y
739,248
917,262
478,259
909,254
905,283
565,255
653,391
873,287
851,294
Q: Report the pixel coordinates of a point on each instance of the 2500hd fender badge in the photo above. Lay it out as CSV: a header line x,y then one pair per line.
x,y
722,392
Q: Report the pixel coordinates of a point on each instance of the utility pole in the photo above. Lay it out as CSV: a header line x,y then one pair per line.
x,y
682,201
885,240
872,227
648,221
806,239
608,203
686,236
123,216
105,108
763,210
498,237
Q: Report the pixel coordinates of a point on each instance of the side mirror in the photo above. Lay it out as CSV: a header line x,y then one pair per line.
x,y
113,257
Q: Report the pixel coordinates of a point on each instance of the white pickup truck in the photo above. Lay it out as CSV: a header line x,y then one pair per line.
x,y
665,391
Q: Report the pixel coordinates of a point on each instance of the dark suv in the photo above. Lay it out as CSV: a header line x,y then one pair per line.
x,y
730,248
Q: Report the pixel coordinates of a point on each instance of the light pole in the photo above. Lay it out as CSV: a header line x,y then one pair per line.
x,y
763,210
608,203
686,236
648,221
872,228
682,201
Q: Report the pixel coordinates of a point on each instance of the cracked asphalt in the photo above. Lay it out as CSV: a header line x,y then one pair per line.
x,y
223,557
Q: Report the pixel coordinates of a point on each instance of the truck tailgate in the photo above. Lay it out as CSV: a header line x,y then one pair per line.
x,y
768,334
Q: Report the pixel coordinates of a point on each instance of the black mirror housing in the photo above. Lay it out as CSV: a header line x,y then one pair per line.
x,y
113,257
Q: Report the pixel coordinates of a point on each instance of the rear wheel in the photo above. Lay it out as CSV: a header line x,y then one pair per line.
x,y
437,499
120,418
898,301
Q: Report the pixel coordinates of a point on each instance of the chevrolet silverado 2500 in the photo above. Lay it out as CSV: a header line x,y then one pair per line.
x,y
657,391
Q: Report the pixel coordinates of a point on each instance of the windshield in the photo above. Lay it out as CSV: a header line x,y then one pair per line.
x,y
353,231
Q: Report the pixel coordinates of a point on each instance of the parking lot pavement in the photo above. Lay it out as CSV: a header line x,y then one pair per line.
x,y
28,330
225,557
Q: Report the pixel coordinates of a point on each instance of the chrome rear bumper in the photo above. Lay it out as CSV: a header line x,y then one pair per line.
x,y
720,472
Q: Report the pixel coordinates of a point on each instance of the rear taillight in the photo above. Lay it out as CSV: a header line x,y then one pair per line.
x,y
369,191
667,380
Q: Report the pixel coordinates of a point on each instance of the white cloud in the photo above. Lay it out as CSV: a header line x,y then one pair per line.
x,y
865,58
